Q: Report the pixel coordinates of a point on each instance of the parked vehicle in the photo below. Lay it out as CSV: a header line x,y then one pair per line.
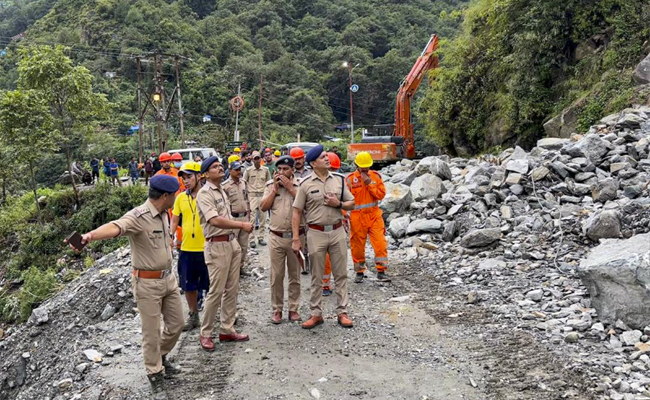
x,y
190,154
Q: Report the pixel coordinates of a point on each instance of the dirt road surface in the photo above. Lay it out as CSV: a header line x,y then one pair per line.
x,y
410,341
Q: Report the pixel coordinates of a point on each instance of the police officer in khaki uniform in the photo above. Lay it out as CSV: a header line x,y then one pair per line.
x,y
278,198
322,195
240,208
222,255
256,178
154,285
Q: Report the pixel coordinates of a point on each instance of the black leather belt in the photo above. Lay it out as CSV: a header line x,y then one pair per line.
x,y
241,214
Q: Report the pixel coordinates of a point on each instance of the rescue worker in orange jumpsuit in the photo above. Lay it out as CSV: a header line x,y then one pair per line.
x,y
335,165
366,220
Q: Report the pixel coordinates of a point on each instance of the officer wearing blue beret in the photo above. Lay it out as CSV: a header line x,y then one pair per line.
x,y
147,228
322,195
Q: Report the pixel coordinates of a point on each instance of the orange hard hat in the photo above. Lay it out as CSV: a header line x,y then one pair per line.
x,y
177,157
335,161
164,157
297,152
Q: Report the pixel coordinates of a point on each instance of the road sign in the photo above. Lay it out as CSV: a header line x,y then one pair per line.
x,y
354,88
232,145
237,103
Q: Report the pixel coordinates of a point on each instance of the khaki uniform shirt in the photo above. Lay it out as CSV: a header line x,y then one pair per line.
x,y
310,198
257,178
302,175
148,233
212,202
282,210
237,195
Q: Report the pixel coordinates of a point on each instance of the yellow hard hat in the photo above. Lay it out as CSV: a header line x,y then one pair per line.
x,y
191,166
277,153
237,150
233,158
363,160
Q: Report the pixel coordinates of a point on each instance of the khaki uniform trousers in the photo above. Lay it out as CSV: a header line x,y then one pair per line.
x,y
222,259
280,249
153,298
320,243
242,238
255,201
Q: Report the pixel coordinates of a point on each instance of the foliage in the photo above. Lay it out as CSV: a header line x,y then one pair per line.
x,y
518,63
30,252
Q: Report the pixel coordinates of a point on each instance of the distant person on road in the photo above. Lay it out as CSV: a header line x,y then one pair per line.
x,y
321,196
268,161
366,219
156,163
192,270
134,171
94,166
148,170
107,168
154,286
115,172
222,255
240,207
279,195
256,178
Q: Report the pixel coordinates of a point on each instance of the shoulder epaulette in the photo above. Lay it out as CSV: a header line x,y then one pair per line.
x,y
338,174
140,211
269,182
306,179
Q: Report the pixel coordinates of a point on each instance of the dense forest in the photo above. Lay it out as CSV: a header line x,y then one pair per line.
x,y
298,46
518,63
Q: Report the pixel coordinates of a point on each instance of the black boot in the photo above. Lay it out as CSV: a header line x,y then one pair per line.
x,y
170,369
158,388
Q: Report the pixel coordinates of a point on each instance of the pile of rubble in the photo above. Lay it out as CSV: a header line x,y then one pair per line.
x,y
520,233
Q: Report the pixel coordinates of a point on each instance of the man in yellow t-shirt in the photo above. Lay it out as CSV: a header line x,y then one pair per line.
x,y
192,270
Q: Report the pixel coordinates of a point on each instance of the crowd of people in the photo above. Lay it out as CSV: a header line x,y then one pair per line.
x,y
209,209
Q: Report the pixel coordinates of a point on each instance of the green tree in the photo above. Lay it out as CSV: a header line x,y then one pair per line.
x,y
67,89
26,129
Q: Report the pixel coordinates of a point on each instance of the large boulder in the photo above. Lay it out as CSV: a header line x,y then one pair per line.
x,y
404,177
642,72
398,198
617,275
435,166
397,227
603,225
605,190
591,147
564,124
424,225
552,143
480,238
427,186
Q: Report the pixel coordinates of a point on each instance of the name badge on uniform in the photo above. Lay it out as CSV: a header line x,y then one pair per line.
x,y
219,201
315,191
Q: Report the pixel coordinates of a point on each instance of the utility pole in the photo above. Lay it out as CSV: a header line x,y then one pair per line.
x,y
140,113
351,104
237,116
159,102
259,111
180,104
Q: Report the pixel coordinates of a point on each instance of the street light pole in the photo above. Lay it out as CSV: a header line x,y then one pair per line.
x,y
351,103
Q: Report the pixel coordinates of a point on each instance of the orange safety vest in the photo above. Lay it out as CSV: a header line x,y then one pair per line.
x,y
173,172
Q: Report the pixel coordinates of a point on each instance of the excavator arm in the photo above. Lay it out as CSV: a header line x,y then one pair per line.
x,y
410,84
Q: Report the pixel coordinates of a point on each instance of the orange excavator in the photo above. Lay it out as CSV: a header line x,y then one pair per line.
x,y
392,142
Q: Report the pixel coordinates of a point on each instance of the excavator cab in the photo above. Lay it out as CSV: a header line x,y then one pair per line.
x,y
380,142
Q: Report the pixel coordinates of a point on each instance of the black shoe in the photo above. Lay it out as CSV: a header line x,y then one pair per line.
x,y
170,369
261,242
381,277
158,388
359,278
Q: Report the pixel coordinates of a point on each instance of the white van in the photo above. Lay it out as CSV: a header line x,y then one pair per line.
x,y
190,154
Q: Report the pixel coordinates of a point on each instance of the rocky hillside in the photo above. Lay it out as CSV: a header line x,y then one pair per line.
x,y
519,233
